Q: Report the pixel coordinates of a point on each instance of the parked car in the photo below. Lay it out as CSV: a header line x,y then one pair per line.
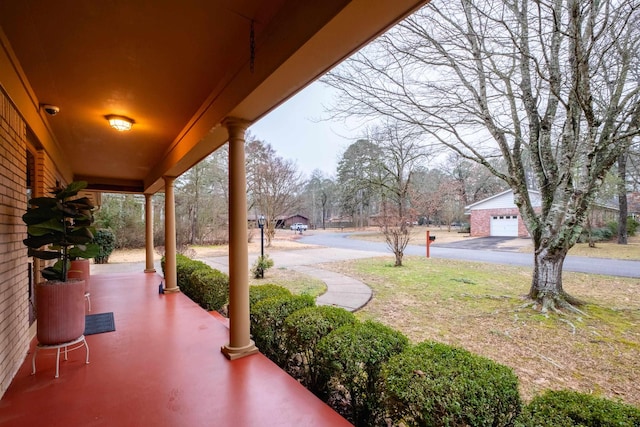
x,y
298,226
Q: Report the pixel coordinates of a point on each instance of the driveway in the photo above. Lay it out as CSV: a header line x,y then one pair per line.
x,y
505,244
610,267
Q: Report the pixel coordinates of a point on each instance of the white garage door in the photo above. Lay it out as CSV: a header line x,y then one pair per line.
x,y
504,225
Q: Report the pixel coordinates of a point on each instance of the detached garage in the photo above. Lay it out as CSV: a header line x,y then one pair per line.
x,y
497,216
504,225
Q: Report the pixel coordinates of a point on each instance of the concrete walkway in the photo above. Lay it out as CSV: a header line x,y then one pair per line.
x,y
342,291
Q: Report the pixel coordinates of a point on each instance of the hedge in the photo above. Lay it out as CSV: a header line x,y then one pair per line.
x,y
569,408
106,240
267,319
304,329
350,359
433,384
206,286
260,292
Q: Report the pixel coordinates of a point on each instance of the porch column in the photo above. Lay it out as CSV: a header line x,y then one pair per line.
x,y
148,236
240,343
170,275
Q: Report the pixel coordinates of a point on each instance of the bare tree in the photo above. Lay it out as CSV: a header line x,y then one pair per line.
x,y
401,153
273,184
425,198
545,85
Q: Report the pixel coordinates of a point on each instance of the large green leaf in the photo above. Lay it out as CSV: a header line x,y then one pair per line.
x,y
89,251
79,236
38,215
43,254
55,272
51,226
68,210
71,190
43,202
36,242
83,203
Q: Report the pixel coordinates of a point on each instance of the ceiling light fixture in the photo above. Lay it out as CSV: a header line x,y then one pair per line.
x,y
120,123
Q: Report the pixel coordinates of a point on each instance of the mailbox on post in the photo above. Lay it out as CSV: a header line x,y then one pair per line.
x,y
430,239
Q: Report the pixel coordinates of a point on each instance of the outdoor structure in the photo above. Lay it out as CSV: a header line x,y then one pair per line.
x,y
184,78
499,216
294,219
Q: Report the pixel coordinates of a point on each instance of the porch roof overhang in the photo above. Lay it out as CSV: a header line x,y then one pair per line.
x,y
177,68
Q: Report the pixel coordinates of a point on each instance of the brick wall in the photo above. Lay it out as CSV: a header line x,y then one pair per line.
x,y
480,221
14,304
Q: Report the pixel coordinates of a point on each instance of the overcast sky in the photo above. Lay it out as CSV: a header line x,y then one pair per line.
x,y
297,131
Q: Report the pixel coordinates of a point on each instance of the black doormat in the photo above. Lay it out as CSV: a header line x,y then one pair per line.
x,y
99,323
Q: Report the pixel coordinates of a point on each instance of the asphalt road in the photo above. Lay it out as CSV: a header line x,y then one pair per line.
x,y
481,251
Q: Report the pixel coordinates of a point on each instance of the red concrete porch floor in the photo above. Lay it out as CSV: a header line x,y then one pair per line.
x,y
161,367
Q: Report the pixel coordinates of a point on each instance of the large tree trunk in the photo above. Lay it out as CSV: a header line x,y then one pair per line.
x,y
546,285
622,199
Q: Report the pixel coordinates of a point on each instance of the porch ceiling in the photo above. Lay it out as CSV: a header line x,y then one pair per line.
x,y
176,68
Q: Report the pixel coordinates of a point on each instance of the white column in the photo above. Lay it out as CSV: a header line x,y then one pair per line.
x,y
148,235
170,274
240,343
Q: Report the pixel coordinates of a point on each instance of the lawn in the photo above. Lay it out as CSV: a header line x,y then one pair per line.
x,y
297,283
609,249
481,307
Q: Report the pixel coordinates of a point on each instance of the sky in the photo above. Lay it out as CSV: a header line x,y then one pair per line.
x,y
299,130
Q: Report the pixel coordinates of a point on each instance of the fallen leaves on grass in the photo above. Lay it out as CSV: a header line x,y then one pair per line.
x,y
480,307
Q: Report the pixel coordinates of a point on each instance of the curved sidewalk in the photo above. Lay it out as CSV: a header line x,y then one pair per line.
x,y
342,291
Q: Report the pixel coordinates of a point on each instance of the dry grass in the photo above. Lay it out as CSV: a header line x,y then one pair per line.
x,y
610,249
418,235
284,240
297,283
480,307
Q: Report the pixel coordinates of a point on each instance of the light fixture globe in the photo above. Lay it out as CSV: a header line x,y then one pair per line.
x,y
120,123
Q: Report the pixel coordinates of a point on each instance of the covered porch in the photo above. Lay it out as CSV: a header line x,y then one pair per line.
x,y
188,77
162,366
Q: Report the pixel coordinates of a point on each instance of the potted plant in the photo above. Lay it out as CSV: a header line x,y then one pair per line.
x,y
63,225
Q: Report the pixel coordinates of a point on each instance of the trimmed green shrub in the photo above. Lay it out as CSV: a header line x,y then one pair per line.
x,y
260,292
569,408
184,269
106,241
433,384
350,359
304,329
267,320
208,287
